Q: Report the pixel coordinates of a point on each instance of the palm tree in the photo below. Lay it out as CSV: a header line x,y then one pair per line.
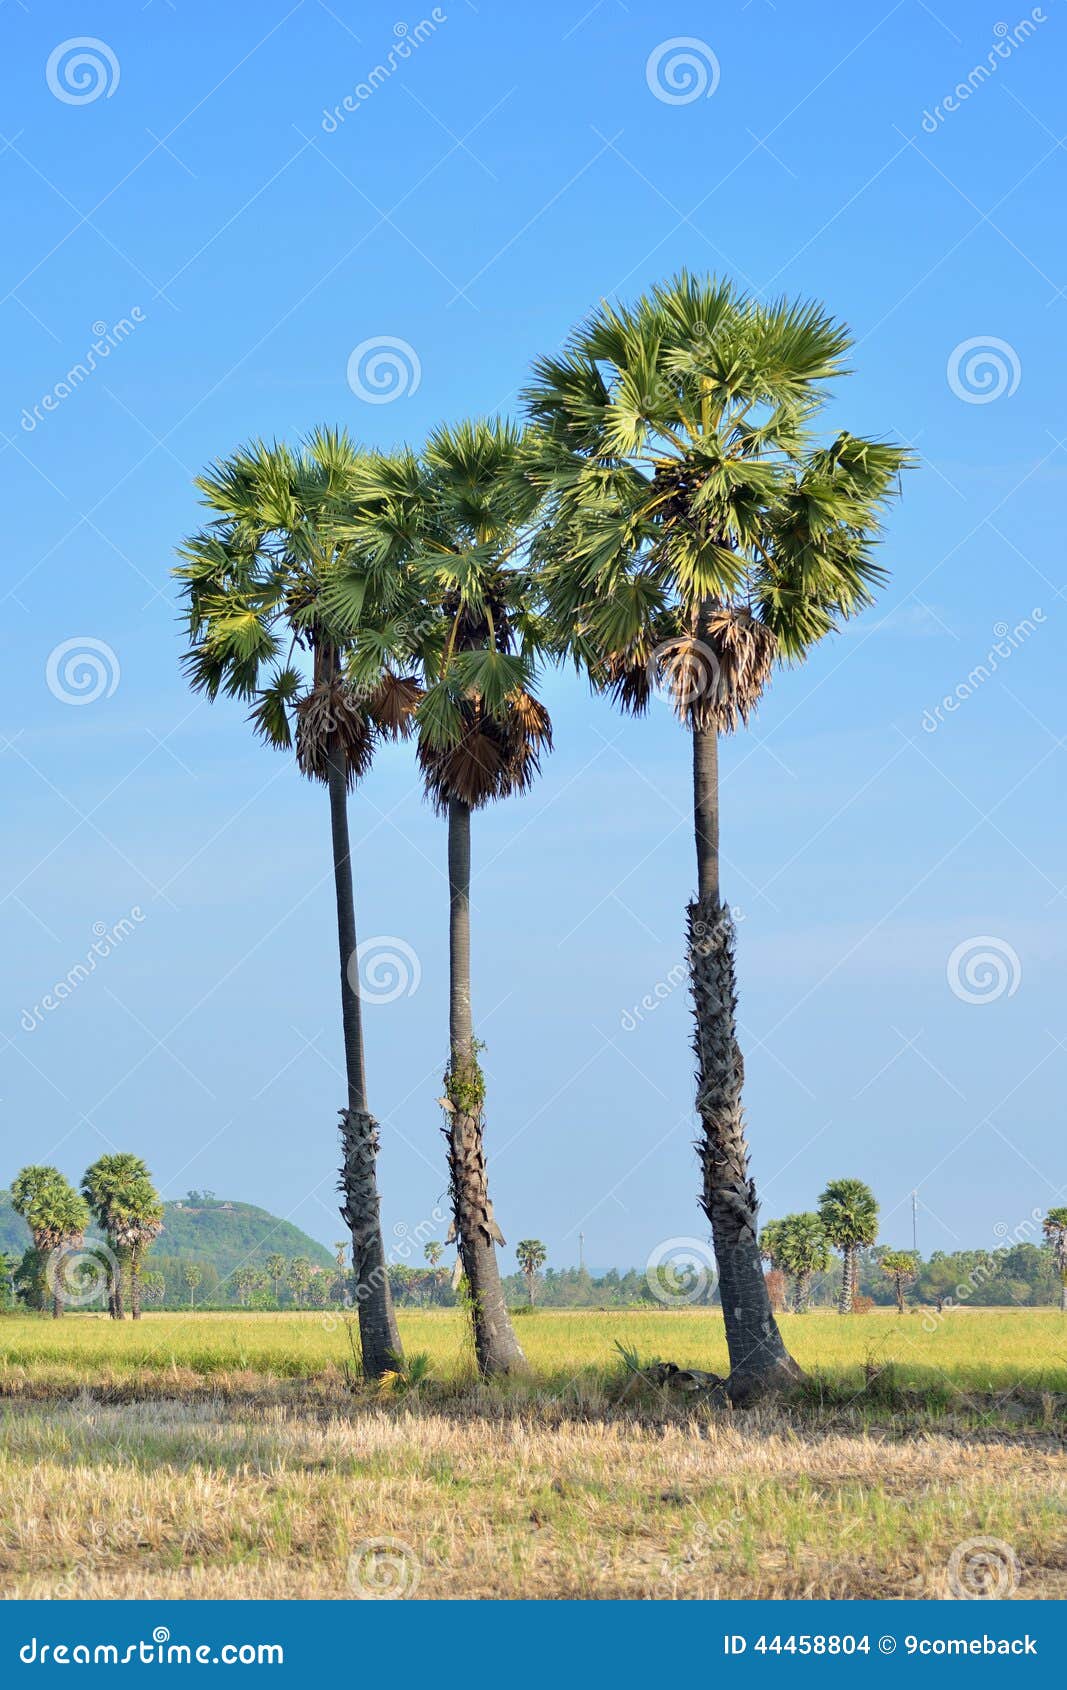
x,y
458,516
849,1214
299,1275
433,1251
900,1266
127,1208
275,574
1054,1226
802,1251
341,1283
275,1266
531,1255
696,534
192,1274
56,1216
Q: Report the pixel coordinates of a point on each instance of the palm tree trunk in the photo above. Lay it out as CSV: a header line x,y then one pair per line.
x,y
495,1344
802,1299
119,1288
1063,1297
759,1360
848,1280
57,1305
135,1285
379,1334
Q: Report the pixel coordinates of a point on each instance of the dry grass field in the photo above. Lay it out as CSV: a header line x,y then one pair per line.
x,y
231,1455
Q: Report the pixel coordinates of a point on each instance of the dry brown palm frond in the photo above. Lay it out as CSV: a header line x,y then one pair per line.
x,y
528,715
742,656
472,771
495,756
332,714
711,678
392,704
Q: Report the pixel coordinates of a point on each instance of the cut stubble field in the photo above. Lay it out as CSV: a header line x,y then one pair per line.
x,y
235,1455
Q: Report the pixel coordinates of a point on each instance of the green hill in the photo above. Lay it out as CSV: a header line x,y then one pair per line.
x,y
205,1228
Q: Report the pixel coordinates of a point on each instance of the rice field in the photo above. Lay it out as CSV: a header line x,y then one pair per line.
x,y
239,1455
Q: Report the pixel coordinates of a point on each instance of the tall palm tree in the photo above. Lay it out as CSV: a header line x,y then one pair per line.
x,y
848,1210
275,593
57,1218
127,1208
803,1250
458,515
275,1265
531,1255
1054,1226
901,1267
192,1275
697,534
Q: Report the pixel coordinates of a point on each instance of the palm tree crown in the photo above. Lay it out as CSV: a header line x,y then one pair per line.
x,y
458,516
276,575
699,531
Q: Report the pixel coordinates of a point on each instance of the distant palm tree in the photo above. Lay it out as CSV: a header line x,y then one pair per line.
x,y
127,1208
902,1267
433,1251
1054,1226
802,1251
57,1218
531,1255
192,1275
275,1266
276,573
849,1214
458,516
699,533
340,1250
299,1275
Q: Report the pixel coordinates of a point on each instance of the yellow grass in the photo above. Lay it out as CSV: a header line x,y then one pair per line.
x,y
226,1455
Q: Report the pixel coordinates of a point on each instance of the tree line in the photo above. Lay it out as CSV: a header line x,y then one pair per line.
x,y
799,1248
665,518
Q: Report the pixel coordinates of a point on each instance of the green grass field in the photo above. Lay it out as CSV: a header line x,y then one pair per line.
x,y
237,1455
973,1351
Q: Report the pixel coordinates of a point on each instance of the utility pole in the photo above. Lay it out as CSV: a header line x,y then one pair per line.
x,y
915,1221
581,1252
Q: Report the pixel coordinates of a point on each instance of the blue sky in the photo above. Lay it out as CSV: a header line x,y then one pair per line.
x,y
517,164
